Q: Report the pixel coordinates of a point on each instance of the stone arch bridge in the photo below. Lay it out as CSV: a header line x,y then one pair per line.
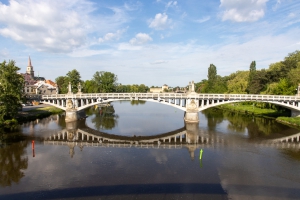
x,y
190,102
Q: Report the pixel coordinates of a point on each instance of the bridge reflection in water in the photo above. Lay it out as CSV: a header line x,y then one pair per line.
x,y
189,137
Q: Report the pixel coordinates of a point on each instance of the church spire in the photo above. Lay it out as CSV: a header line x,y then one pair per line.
x,y
30,68
29,62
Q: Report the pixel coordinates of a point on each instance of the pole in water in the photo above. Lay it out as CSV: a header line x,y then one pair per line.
x,y
32,146
200,156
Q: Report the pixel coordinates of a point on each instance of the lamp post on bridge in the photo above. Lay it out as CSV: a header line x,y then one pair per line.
x,y
70,89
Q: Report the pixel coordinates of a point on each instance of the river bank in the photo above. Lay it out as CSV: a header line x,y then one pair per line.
x,y
281,116
37,113
30,113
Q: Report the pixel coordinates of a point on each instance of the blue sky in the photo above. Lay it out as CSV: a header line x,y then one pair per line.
x,y
153,42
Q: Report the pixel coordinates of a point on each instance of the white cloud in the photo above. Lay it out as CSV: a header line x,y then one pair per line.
x,y
112,36
204,19
140,38
160,22
128,47
54,25
276,6
132,6
291,15
157,62
243,11
171,4
84,52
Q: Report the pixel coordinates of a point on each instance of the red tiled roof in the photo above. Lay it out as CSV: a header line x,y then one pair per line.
x,y
51,83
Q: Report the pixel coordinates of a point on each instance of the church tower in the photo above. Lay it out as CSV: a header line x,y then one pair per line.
x,y
30,69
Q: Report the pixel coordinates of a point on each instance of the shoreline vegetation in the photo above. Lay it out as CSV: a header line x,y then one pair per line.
x,y
37,113
30,115
281,116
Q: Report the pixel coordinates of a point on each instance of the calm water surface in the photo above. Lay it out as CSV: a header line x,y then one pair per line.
x,y
143,150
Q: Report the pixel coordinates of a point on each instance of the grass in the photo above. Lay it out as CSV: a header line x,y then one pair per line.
x,y
51,109
281,116
37,113
294,121
252,110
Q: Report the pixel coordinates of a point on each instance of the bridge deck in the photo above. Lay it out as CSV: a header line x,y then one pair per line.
x,y
175,96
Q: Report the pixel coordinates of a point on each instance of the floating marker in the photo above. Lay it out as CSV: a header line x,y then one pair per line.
x,y
200,156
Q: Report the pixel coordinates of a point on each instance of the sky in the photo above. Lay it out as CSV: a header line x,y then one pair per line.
x,y
151,42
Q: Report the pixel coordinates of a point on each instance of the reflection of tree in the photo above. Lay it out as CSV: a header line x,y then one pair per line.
x,y
12,162
237,122
292,153
90,110
214,116
265,127
105,118
256,126
137,102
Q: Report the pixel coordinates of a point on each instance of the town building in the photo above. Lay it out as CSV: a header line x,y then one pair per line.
x,y
163,88
36,84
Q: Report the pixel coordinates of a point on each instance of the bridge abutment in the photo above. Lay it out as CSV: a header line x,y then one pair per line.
x,y
295,113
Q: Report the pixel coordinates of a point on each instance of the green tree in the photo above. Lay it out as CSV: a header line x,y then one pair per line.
x,y
143,88
294,76
259,82
62,84
201,86
11,90
252,72
238,82
63,81
276,71
74,78
212,77
292,60
89,86
105,81
283,87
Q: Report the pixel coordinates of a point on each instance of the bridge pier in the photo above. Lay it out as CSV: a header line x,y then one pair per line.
x,y
191,114
72,114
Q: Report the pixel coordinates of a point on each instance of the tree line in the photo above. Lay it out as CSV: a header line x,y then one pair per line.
x,y
102,82
281,78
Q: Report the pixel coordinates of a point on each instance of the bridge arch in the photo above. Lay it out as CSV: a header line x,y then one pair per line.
x,y
115,100
292,107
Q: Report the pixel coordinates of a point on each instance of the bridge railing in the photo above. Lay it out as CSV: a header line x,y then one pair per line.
x,y
175,96
115,95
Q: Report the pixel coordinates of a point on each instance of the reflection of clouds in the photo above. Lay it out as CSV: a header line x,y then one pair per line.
x,y
148,119
160,156
259,174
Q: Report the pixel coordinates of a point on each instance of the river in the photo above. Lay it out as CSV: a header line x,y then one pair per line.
x,y
144,150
